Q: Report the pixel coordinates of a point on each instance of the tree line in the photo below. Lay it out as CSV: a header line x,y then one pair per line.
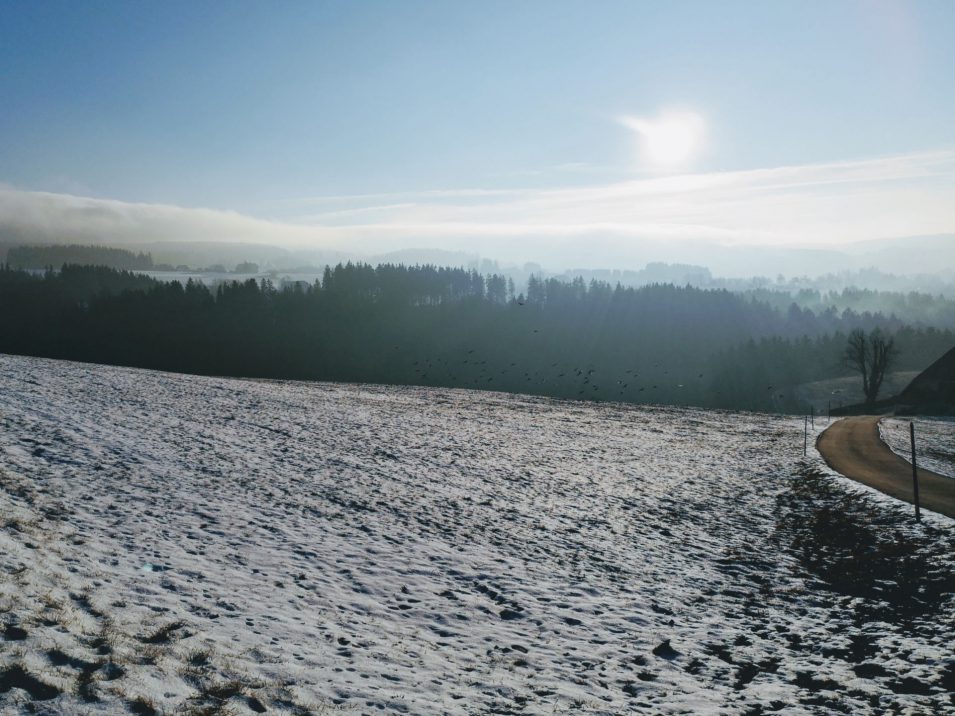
x,y
425,325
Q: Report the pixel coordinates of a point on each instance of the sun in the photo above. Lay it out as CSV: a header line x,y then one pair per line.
x,y
672,138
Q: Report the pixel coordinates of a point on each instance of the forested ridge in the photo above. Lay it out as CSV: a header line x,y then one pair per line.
x,y
425,325
40,257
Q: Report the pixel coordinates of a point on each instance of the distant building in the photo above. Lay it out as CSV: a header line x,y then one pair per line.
x,y
933,390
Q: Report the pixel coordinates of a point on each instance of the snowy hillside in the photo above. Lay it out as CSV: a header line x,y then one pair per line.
x,y
178,544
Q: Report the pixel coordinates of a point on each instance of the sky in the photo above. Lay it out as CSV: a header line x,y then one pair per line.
x,y
560,132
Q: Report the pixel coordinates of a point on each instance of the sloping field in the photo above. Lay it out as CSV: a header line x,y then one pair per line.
x,y
177,544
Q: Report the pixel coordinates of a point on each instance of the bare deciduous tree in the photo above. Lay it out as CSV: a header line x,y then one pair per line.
x,y
871,356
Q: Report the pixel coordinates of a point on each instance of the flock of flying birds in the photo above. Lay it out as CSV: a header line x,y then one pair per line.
x,y
583,378
559,379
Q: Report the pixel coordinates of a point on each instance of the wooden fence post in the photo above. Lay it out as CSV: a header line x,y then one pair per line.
x,y
805,435
915,474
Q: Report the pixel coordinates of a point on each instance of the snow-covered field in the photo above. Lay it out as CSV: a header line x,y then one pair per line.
x,y
934,442
178,544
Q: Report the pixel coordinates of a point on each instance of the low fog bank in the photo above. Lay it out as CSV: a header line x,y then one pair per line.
x,y
920,264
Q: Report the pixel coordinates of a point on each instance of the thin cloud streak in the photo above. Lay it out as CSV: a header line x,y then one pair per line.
x,y
808,204
396,196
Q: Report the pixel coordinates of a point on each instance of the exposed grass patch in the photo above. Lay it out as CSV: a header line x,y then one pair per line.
x,y
149,655
199,657
15,677
163,635
141,706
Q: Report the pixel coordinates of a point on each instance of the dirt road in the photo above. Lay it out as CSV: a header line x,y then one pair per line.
x,y
852,446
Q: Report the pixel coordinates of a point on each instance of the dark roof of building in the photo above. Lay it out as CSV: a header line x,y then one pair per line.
x,y
934,387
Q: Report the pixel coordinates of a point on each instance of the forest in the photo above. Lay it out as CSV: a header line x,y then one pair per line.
x,y
425,325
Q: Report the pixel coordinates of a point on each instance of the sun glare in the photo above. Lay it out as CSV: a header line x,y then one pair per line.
x,y
671,138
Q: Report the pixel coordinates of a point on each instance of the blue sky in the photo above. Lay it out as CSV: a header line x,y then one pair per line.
x,y
424,115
